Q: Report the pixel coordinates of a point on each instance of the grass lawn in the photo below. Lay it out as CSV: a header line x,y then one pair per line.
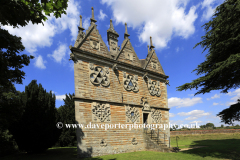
x,y
219,146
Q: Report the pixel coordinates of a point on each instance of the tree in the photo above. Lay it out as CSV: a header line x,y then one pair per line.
x,y
231,114
67,116
18,13
221,69
202,126
36,130
175,127
10,107
209,125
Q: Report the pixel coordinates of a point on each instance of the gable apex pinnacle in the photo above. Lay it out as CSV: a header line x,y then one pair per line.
x,y
126,35
111,29
80,28
151,45
92,19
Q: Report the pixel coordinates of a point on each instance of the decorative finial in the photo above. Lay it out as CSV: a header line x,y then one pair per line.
x,y
92,19
126,35
126,28
80,21
111,25
148,47
92,13
80,28
151,46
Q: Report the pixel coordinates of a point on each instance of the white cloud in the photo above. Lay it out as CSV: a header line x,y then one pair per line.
x,y
159,19
60,97
230,103
34,36
214,103
40,63
209,6
86,23
196,122
102,15
59,53
177,49
70,20
236,95
213,97
191,118
197,113
171,115
184,102
194,114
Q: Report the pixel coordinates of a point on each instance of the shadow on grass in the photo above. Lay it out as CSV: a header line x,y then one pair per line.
x,y
227,148
51,154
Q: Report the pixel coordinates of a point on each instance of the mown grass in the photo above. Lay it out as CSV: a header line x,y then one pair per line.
x,y
219,146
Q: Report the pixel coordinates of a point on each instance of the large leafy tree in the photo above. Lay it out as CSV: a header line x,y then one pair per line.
x,y
11,108
36,130
19,13
221,69
67,116
231,114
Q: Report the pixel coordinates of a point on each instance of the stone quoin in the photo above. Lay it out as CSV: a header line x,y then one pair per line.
x,y
113,86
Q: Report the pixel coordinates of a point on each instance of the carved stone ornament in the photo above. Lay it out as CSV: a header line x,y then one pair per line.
x,y
130,82
114,49
129,56
99,75
156,115
154,65
101,112
73,57
132,114
154,88
103,143
146,106
134,141
95,45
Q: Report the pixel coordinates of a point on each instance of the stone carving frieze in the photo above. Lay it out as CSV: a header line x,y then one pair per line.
x,y
132,114
156,115
146,106
154,88
101,112
99,75
130,82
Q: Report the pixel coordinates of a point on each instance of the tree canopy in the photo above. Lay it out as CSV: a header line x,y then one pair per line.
x,y
221,69
36,130
19,13
231,114
67,116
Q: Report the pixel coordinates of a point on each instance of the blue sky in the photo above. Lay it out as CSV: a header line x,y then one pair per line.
x,y
175,27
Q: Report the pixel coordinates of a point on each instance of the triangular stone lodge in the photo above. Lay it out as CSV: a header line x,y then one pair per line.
x,y
115,87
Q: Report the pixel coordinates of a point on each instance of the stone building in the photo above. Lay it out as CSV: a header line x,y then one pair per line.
x,y
113,86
